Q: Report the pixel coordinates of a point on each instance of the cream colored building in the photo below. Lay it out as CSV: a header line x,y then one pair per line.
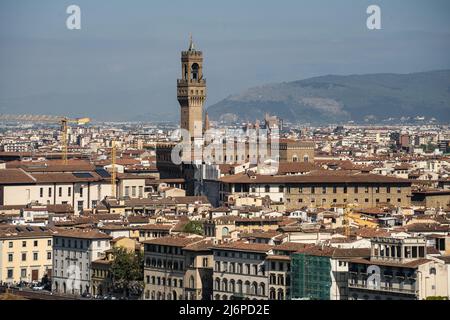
x,y
81,190
398,269
319,190
73,254
25,253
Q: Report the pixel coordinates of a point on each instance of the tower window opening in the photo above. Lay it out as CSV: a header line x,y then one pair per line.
x,y
194,71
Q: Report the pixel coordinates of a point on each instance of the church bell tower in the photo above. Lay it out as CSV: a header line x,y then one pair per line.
x,y
191,91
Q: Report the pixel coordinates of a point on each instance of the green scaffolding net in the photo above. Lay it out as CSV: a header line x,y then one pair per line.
x,y
310,277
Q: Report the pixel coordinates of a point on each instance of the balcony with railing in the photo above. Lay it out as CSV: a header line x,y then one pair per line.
x,y
384,287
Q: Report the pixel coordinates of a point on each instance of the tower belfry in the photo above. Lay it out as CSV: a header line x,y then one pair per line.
x,y
191,91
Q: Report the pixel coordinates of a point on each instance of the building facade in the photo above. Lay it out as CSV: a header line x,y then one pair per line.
x,y
326,191
177,268
240,271
73,254
25,253
398,269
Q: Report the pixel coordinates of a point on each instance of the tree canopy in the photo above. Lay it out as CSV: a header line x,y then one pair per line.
x,y
195,227
127,271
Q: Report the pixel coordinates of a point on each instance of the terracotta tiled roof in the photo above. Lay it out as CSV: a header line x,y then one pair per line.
x,y
15,176
371,233
82,234
60,208
203,245
424,227
114,227
65,177
137,219
179,227
409,264
291,246
313,178
333,252
156,227
12,232
296,167
53,165
244,246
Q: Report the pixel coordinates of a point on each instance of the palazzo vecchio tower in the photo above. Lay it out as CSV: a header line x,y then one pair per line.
x,y
191,91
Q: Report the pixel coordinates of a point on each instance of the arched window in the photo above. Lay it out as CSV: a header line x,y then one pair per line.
x,y
280,280
305,158
262,289
267,188
217,284
217,297
232,286
272,294
147,262
239,286
247,287
225,285
280,294
255,269
225,231
194,71
254,288
191,282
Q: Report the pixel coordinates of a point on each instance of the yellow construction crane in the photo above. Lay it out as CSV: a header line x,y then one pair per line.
x,y
113,168
64,121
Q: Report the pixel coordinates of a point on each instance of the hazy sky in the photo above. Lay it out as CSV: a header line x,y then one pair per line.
x,y
124,61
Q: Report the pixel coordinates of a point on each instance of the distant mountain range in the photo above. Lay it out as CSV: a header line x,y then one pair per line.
x,y
333,99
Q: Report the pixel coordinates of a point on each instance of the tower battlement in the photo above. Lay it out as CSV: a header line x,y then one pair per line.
x,y
191,53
